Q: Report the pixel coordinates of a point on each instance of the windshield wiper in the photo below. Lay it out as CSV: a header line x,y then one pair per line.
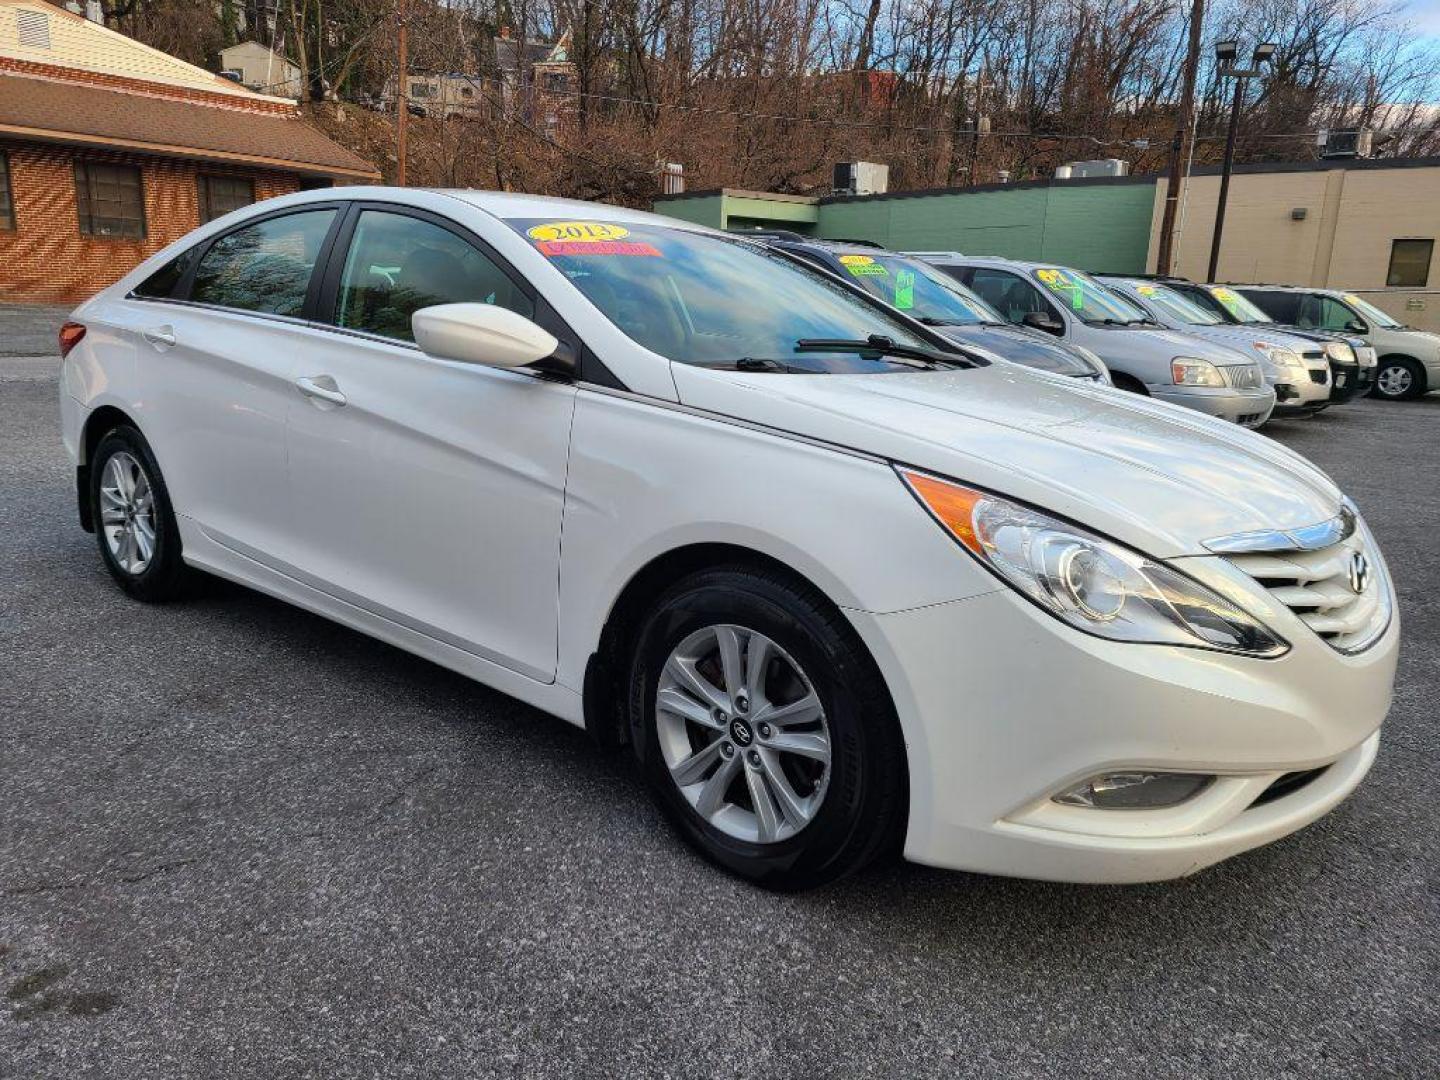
x,y
886,346
759,363
1118,322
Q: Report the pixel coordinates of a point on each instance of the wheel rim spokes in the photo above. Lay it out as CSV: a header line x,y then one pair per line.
x,y
127,513
743,733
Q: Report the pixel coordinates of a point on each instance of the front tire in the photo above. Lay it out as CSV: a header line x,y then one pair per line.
x,y
765,729
1398,378
134,521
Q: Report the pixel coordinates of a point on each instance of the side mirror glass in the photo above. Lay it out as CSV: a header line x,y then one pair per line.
x,y
1355,326
481,334
1043,320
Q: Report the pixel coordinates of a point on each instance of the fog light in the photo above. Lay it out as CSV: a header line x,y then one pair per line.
x,y
1135,790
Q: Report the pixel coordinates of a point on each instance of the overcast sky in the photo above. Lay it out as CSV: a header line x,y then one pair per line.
x,y
1425,14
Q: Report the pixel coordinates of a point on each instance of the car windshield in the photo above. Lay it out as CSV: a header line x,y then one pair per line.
x,y
914,287
1241,309
1370,311
1090,301
1174,306
697,298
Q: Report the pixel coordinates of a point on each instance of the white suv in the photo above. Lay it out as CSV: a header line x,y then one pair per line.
x,y
840,584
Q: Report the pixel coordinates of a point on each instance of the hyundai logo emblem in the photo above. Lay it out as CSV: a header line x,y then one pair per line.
x,y
740,732
1359,572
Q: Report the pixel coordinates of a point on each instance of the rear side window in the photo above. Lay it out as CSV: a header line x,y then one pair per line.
x,y
398,264
265,267
162,284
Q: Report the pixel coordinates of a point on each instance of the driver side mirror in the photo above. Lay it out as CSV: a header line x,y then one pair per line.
x,y
1355,326
483,334
1043,320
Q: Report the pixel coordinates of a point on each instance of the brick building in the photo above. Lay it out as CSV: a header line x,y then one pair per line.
x,y
109,150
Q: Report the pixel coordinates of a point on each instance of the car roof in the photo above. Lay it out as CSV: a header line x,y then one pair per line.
x,y
512,204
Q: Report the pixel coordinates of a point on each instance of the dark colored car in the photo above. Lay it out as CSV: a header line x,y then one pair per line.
x,y
1352,361
924,293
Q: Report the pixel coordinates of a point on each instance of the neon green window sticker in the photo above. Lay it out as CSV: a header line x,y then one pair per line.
x,y
905,289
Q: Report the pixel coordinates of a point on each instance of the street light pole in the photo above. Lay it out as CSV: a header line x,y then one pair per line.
x,y
1225,178
1225,53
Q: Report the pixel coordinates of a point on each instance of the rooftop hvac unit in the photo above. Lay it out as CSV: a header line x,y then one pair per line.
x,y
861,178
1355,143
1077,170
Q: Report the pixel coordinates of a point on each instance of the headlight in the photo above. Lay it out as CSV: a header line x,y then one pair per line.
x,y
1188,371
1280,356
1093,584
1340,352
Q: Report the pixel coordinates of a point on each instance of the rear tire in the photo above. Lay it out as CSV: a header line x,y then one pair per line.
x,y
134,521
1398,378
762,804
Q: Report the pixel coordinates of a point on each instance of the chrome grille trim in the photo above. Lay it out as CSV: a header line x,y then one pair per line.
x,y
1307,538
1243,376
1339,590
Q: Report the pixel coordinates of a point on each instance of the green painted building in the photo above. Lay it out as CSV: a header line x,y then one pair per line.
x,y
1094,224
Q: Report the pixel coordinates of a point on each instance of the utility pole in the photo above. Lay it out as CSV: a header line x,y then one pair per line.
x,y
1225,53
1165,255
402,97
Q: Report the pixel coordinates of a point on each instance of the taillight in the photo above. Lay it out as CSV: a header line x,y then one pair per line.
x,y
70,335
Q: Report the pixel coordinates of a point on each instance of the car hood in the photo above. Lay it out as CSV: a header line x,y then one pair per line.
x,y
1158,477
1022,347
1150,344
1243,339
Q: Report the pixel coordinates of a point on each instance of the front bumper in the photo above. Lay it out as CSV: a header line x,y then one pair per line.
x,y
1003,706
1348,381
1249,408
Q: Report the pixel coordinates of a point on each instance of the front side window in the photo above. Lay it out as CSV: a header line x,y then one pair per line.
x,y
1087,298
914,286
715,301
7,205
110,200
1281,307
1176,306
1410,263
398,264
265,267
1009,294
221,194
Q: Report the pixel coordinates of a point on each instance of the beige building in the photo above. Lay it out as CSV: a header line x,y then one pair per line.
x,y
261,69
1370,227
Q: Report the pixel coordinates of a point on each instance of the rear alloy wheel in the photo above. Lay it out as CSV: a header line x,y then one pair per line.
x,y
765,728
134,523
1398,379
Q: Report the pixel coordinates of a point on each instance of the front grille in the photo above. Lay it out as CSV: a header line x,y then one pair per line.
x,y
1287,784
1244,376
1320,586
1250,419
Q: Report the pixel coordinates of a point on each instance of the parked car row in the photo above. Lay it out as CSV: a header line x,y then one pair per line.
x,y
1312,348
841,578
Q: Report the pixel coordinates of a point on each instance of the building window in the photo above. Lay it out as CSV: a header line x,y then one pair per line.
x,y
110,199
1410,263
422,90
221,194
7,206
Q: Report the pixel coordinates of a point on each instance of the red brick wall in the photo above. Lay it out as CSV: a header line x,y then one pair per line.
x,y
46,259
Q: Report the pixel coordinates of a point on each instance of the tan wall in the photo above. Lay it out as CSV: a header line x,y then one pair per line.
x,y
1352,215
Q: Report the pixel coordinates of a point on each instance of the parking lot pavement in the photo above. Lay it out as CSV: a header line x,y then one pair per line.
x,y
238,841
30,329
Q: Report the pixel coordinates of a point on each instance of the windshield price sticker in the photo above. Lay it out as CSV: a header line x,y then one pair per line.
x,y
1146,290
1061,282
553,248
863,266
905,289
578,232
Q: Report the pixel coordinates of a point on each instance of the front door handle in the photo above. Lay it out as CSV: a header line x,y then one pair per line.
x,y
322,387
160,335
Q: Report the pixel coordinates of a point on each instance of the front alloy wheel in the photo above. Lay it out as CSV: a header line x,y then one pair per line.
x,y
743,733
765,728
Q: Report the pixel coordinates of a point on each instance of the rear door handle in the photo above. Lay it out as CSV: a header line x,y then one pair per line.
x,y
160,335
322,387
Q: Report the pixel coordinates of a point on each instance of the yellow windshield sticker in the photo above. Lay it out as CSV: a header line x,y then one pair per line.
x,y
856,260
1146,290
578,232
1061,282
1351,298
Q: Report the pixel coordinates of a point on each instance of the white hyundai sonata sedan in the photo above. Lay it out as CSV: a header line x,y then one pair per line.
x,y
840,586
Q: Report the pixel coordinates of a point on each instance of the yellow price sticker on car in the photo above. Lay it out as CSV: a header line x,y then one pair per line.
x,y
856,260
578,232
1351,298
1145,290
1225,296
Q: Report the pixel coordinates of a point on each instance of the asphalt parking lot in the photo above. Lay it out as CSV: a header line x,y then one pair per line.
x,y
239,841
